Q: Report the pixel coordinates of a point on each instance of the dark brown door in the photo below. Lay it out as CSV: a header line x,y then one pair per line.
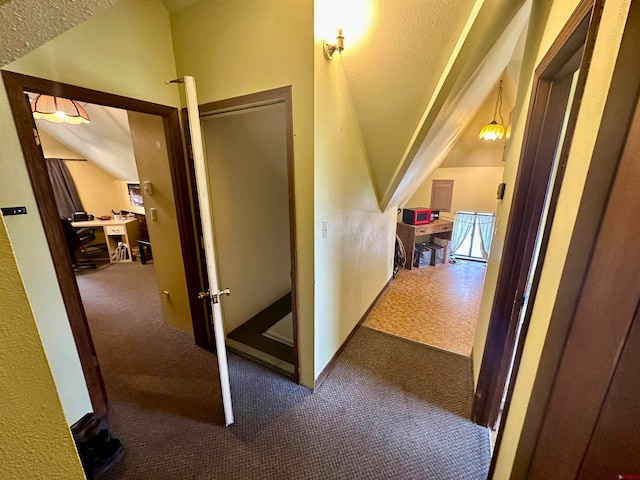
x,y
591,426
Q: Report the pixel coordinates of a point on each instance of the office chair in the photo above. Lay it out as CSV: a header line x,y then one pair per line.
x,y
76,242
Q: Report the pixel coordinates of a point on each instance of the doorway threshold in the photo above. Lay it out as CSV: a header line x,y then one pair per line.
x,y
273,363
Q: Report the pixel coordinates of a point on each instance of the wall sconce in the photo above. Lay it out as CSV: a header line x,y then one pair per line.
x,y
494,130
331,48
58,110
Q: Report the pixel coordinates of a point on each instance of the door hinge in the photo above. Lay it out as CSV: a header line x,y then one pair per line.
x,y
36,136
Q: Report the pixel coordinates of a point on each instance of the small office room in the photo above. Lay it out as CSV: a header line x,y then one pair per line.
x,y
444,234
134,303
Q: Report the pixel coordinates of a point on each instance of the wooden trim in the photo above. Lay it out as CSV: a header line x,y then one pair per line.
x,y
267,97
16,85
599,330
250,332
327,368
43,192
621,102
185,212
549,98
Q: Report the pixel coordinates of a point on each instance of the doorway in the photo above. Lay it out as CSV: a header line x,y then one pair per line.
x,y
174,192
248,143
555,100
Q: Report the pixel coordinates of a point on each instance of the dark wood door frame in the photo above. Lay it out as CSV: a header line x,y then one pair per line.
x,y
551,87
16,85
284,96
600,327
611,139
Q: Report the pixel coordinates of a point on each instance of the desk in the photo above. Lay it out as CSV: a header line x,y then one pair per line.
x,y
125,231
408,234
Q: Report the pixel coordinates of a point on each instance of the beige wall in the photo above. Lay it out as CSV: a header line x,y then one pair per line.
x,y
259,46
91,55
354,261
544,29
36,441
474,189
150,149
97,189
247,167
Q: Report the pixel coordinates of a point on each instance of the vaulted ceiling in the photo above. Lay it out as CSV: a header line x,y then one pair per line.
x,y
418,74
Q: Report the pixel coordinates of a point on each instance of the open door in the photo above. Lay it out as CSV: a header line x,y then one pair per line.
x,y
214,294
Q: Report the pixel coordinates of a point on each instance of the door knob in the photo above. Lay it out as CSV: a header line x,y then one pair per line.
x,y
215,297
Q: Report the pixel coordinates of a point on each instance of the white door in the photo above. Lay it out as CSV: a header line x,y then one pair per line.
x,y
214,293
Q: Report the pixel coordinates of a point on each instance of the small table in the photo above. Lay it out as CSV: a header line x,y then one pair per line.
x,y
408,234
115,231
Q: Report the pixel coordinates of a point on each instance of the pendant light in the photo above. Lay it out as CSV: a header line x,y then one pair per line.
x,y
494,130
58,110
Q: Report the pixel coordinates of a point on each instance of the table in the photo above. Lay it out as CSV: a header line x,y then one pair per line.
x,y
115,231
408,234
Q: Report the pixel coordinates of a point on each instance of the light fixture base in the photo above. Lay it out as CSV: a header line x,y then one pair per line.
x,y
329,49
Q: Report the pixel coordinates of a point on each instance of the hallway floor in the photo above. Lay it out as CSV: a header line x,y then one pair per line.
x,y
437,305
389,408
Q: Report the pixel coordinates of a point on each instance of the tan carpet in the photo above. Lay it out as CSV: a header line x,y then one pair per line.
x,y
433,305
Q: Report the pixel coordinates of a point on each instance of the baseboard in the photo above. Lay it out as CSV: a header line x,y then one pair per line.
x,y
329,366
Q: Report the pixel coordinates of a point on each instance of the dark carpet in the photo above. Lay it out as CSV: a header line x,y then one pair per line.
x,y
390,408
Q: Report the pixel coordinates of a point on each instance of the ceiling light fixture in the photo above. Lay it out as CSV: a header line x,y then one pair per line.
x,y
58,110
494,130
331,48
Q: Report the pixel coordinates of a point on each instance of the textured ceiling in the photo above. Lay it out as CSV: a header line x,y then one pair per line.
x,y
27,24
393,74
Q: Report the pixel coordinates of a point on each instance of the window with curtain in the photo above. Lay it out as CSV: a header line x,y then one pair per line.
x,y
64,188
472,235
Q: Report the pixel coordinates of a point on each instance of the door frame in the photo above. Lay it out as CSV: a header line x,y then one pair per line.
x,y
15,85
244,102
544,121
622,101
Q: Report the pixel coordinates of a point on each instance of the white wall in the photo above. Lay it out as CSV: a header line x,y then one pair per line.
x,y
474,189
247,167
127,51
354,261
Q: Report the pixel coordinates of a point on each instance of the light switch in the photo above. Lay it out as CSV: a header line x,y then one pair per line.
x,y
147,188
325,228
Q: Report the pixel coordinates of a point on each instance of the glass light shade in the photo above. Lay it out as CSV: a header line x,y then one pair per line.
x,y
58,110
492,131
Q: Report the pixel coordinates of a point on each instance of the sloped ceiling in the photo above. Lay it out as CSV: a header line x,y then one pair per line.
x,y
105,142
409,75
27,24
393,73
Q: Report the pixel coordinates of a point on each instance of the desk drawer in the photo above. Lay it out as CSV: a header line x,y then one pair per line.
x,y
444,228
115,229
423,230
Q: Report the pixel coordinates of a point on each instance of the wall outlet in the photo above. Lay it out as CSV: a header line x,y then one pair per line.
x,y
154,213
147,188
325,228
